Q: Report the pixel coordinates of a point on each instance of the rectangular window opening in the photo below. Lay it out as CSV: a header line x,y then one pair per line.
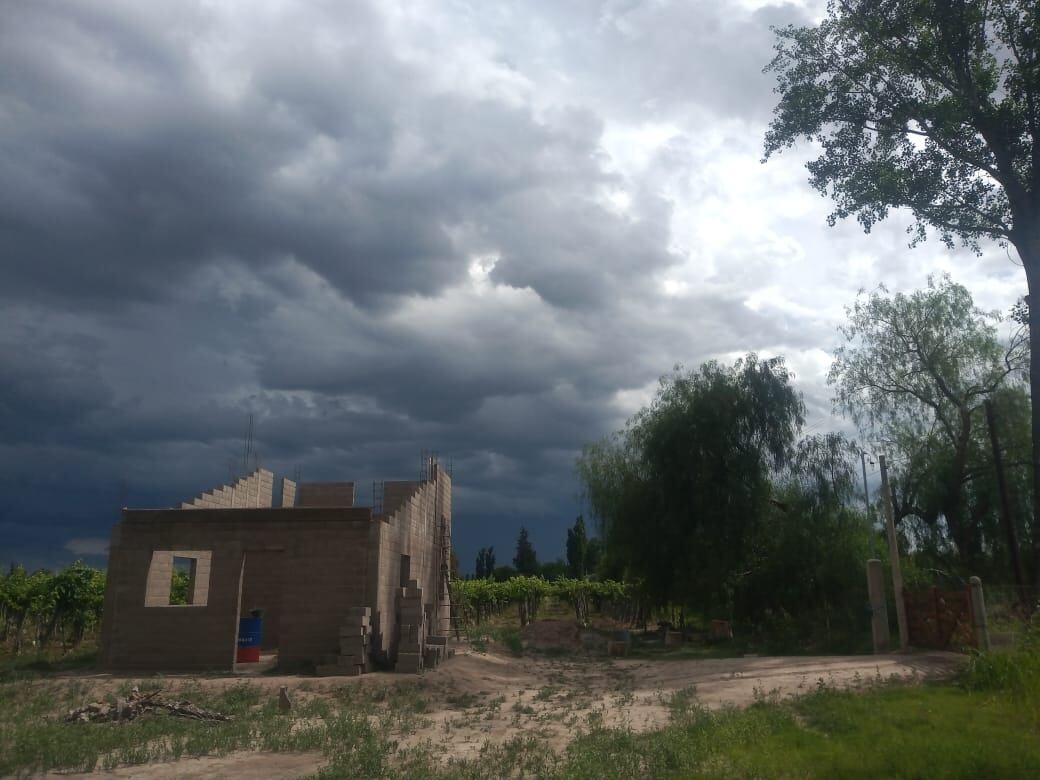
x,y
178,578
182,581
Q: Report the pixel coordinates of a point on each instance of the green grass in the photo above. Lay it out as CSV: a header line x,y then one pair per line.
x,y
984,724
29,665
896,732
33,736
506,635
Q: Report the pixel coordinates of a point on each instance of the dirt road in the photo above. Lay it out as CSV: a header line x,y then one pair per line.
x,y
554,697
492,697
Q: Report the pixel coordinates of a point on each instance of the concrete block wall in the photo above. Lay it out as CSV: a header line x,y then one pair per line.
x,y
322,574
325,494
396,492
252,491
139,637
411,529
306,566
288,493
263,582
160,576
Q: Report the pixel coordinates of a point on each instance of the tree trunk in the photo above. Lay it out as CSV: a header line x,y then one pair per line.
x,y
1031,263
958,519
18,623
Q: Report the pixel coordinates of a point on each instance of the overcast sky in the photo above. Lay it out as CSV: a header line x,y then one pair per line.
x,y
480,228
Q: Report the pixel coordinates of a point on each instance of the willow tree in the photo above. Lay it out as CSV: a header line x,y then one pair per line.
x,y
932,106
914,372
678,493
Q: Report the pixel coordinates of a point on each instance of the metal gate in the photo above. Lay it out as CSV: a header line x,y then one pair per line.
x,y
940,619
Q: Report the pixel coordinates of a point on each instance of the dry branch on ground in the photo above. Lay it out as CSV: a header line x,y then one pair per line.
x,y
137,704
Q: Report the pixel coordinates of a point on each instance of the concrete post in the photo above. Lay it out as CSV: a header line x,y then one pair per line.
x,y
893,552
878,606
978,611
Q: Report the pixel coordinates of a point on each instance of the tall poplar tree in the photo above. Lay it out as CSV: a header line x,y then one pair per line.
x,y
932,106
526,561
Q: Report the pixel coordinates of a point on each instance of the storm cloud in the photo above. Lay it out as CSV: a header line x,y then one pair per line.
x,y
381,227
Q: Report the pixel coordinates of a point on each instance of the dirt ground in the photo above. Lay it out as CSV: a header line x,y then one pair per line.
x,y
492,697
237,764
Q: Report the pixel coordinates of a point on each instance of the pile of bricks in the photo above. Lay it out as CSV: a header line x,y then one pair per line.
x,y
353,640
436,651
411,623
354,637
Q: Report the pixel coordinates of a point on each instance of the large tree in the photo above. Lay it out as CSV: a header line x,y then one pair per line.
x,y
526,560
678,493
932,106
577,549
914,372
485,563
805,559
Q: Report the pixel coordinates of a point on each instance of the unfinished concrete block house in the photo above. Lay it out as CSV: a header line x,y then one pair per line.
x,y
344,588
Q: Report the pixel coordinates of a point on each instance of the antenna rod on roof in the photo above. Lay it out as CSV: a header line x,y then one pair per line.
x,y
248,445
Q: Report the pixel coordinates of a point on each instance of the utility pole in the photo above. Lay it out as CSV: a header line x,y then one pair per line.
x,y
893,553
1005,503
866,493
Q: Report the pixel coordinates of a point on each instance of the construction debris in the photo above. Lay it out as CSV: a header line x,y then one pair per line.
x,y
137,704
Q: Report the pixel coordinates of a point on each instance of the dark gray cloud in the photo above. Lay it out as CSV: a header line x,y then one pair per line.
x,y
380,227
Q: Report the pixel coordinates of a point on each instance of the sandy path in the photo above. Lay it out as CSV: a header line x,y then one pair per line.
x,y
270,766
477,698
555,698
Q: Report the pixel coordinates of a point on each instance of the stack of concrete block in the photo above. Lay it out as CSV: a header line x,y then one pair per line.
x,y
411,623
436,651
354,636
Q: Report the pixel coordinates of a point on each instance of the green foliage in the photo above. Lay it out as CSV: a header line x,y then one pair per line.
x,y
66,604
925,357
503,573
553,570
179,581
1014,671
679,492
527,594
922,104
485,562
804,574
577,549
78,594
582,594
914,373
891,731
593,555
477,600
931,106
525,561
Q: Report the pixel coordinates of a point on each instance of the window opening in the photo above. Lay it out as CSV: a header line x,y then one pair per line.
x,y
178,578
182,581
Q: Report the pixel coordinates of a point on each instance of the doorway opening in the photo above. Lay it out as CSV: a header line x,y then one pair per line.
x,y
260,611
